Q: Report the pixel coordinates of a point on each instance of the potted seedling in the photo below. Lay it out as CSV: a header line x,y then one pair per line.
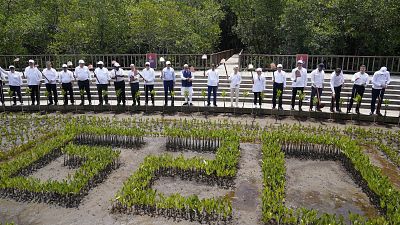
x,y
118,93
153,92
46,94
63,93
386,102
204,95
10,94
186,96
104,94
245,95
172,96
28,92
137,96
301,96
278,95
357,99
223,94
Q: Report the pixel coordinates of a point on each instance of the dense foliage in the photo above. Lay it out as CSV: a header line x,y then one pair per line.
x,y
353,27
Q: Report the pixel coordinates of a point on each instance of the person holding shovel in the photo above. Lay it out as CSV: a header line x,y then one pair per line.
x,y
361,80
317,85
33,76
380,82
15,82
50,79
337,81
66,77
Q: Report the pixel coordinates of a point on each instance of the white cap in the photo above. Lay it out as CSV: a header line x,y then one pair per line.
x,y
186,65
258,70
383,69
81,61
64,66
147,63
116,64
236,67
168,63
31,61
11,66
100,63
300,61
131,65
279,66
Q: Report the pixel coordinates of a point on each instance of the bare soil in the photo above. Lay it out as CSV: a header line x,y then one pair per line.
x,y
325,186
55,171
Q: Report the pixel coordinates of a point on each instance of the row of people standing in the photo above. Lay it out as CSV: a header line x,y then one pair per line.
x,y
102,75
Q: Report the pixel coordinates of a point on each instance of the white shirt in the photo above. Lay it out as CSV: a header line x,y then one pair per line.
x,y
280,77
66,77
102,76
213,78
235,80
168,74
380,79
149,76
361,79
132,77
317,78
51,75
33,75
117,74
258,83
336,81
14,79
299,81
82,73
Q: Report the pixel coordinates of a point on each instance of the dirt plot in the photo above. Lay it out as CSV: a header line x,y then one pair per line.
x,y
55,171
325,186
95,207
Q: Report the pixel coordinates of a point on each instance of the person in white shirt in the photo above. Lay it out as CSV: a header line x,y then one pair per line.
x,y
317,85
2,83
337,81
82,74
212,85
299,82
148,76
33,76
168,78
279,80
133,77
66,77
361,80
50,79
187,84
380,82
15,82
235,79
118,74
258,86
102,81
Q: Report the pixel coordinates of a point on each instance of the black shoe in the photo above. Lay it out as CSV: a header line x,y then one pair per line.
x,y
348,112
165,105
300,109
358,112
107,103
73,103
50,103
191,104
215,105
292,109
338,110
124,104
66,103
152,104
280,108
82,104
56,103
273,108
319,110
332,110
379,114
118,104
185,103
14,104
371,113
172,104
33,103
100,103
90,103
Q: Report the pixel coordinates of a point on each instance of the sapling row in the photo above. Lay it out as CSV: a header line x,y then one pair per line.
x,y
110,140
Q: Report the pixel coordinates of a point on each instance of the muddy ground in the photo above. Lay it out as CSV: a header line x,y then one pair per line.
x,y
312,184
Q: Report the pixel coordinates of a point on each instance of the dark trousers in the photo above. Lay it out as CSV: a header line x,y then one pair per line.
x,y
100,89
34,93
377,93
277,86
257,96
336,100
147,89
1,92
313,94
294,93
120,87
168,88
52,91
84,85
67,87
357,90
16,91
134,91
212,89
